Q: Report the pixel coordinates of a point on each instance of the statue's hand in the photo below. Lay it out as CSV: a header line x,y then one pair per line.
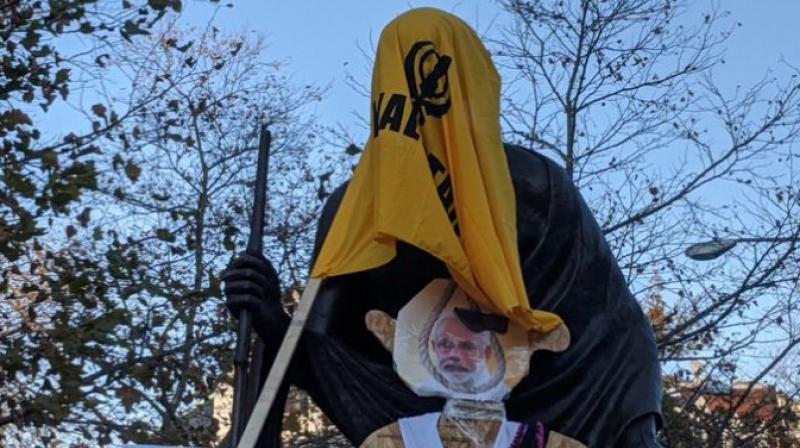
x,y
252,284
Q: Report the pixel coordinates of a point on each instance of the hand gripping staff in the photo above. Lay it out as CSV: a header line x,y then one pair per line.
x,y
272,385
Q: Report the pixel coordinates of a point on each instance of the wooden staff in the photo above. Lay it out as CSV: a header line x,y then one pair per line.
x,y
275,378
255,246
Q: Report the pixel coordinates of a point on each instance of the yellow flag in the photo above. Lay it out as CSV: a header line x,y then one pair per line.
x,y
434,173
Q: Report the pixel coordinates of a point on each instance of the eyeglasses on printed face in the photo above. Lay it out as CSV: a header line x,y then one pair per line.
x,y
467,348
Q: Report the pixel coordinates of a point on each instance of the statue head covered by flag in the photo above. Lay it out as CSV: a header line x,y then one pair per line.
x,y
434,173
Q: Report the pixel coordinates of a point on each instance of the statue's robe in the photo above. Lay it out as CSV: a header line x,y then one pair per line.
x,y
607,378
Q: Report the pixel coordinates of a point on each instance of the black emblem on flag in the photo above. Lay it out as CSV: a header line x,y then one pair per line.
x,y
428,86
429,95
428,90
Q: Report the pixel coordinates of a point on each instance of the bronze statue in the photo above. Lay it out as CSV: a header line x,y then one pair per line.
x,y
604,390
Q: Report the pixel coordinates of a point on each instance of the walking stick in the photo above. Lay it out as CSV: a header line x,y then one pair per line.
x,y
255,246
272,385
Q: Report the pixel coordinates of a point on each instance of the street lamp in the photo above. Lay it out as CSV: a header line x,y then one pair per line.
x,y
710,250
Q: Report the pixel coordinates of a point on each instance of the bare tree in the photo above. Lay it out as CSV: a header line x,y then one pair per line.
x,y
622,94
144,336
44,172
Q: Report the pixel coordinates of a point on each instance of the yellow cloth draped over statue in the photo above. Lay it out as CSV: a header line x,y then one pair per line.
x,y
434,173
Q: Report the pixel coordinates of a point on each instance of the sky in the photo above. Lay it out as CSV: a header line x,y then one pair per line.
x,y
321,40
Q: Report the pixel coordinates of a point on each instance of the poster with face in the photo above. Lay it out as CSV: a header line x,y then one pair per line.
x,y
443,347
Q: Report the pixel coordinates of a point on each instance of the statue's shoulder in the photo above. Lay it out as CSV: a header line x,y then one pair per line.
x,y
328,213
522,160
524,163
532,172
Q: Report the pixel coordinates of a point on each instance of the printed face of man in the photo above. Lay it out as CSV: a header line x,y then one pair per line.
x,y
461,354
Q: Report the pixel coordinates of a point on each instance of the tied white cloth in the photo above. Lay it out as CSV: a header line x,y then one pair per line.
x,y
422,431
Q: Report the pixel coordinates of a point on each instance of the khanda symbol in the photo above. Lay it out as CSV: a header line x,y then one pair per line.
x,y
426,75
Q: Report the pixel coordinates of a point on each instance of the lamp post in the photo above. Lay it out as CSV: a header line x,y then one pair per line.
x,y
716,247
